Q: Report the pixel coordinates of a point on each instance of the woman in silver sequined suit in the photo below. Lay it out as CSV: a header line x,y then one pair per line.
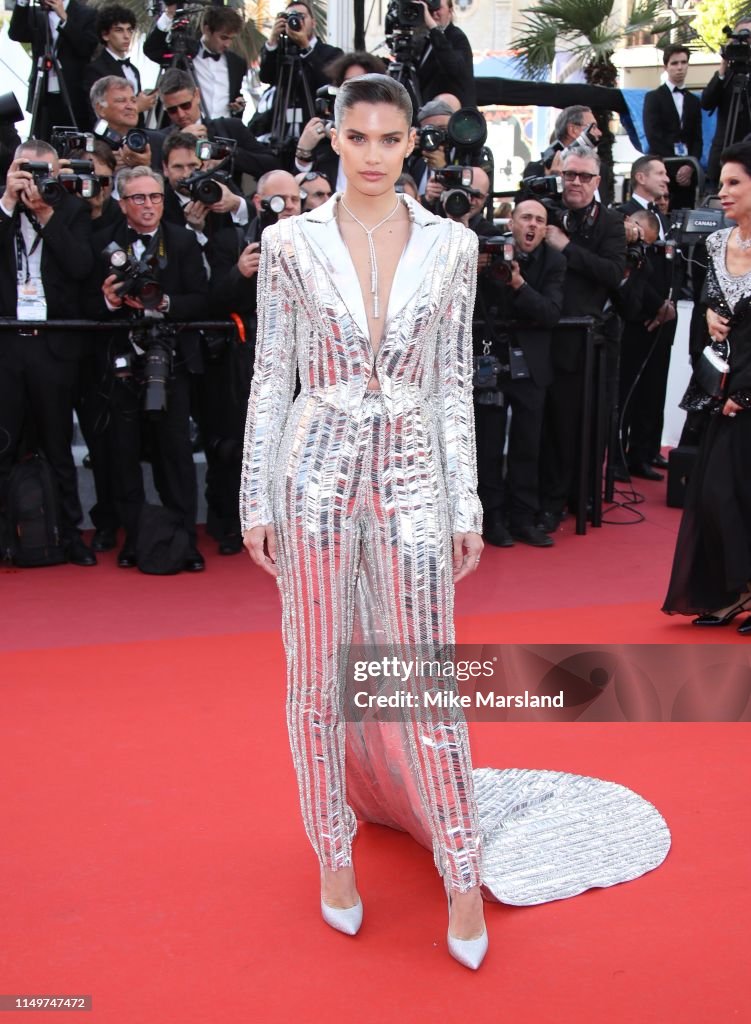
x,y
363,500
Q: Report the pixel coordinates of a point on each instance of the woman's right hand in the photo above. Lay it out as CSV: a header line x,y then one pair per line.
x,y
261,545
719,327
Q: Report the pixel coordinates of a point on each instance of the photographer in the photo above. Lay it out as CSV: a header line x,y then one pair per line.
x,y
650,322
116,106
593,243
181,206
571,124
431,151
524,287
182,104
115,27
46,258
66,30
446,63
719,94
219,73
294,32
234,255
163,278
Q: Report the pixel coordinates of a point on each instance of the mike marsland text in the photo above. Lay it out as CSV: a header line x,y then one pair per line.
x,y
447,699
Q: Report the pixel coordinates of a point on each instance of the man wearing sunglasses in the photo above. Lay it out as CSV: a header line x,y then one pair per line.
x,y
593,242
315,189
182,104
175,259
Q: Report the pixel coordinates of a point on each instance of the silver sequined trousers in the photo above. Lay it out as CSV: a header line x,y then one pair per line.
x,y
365,489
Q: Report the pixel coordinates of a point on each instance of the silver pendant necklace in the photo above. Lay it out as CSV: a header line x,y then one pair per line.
x,y
742,243
372,253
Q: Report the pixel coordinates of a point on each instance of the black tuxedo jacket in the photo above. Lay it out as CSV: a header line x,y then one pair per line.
x,y
102,66
77,40
321,55
174,214
649,287
664,128
448,66
157,49
230,291
67,263
718,95
538,302
183,279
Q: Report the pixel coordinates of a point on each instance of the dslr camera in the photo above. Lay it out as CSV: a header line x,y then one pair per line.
x,y
216,149
502,249
406,15
50,189
78,179
135,277
65,139
293,19
204,186
154,367
548,189
136,139
457,189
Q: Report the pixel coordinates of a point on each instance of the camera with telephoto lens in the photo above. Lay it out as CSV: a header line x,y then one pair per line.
x,y
737,50
136,139
216,149
548,190
203,186
154,367
50,189
65,139
636,255
502,250
136,278
457,189
430,138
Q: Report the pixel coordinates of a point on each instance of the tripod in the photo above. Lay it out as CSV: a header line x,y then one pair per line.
x,y
181,59
739,101
291,72
402,68
46,63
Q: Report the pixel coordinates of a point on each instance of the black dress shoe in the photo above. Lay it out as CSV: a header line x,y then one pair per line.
x,y
659,461
232,544
531,534
194,561
78,552
621,475
127,557
104,539
644,471
495,533
549,522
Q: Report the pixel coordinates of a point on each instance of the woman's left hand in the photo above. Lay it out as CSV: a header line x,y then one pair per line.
x,y
731,408
467,548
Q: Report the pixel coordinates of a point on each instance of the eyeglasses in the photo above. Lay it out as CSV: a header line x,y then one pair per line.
x,y
179,106
584,177
139,198
318,195
312,175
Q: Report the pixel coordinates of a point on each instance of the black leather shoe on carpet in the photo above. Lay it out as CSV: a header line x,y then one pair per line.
x,y
104,540
497,535
232,544
194,561
644,471
549,522
127,557
659,461
78,552
533,535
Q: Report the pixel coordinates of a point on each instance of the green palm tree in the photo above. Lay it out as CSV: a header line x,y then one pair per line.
x,y
589,31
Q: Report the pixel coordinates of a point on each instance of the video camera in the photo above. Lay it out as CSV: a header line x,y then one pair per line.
x,y
136,139
154,367
136,277
737,49
405,15
66,138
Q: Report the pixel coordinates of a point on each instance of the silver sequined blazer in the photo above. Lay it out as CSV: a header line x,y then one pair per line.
x,y
312,319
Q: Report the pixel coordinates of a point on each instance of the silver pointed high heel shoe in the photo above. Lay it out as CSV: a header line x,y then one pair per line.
x,y
344,919
468,952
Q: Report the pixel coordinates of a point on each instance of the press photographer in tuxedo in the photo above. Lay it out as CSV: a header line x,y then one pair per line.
x,y
115,102
593,243
46,259
69,28
527,292
173,259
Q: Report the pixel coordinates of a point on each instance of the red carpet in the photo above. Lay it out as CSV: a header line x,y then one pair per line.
x,y
152,854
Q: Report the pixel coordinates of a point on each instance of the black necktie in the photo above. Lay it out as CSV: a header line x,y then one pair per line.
x,y
208,53
133,236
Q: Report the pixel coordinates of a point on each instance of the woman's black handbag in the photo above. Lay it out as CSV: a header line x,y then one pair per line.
x,y
712,369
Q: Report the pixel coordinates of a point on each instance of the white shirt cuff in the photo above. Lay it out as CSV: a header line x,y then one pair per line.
x,y
164,22
240,215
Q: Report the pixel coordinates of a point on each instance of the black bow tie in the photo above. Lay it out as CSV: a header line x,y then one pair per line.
x,y
678,88
208,53
133,236
125,61
652,207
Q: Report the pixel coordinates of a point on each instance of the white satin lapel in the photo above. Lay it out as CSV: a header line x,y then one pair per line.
x,y
322,232
415,264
